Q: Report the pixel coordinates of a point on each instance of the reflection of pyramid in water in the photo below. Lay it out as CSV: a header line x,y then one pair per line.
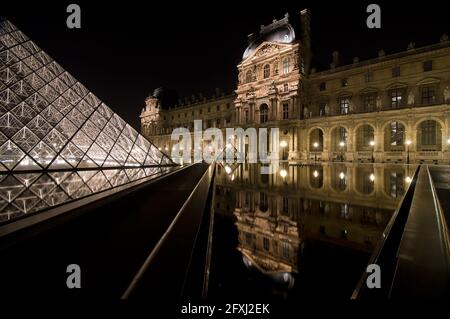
x,y
48,120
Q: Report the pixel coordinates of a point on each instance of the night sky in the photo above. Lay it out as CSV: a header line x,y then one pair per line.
x,y
125,50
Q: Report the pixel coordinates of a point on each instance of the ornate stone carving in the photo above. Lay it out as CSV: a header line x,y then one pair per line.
x,y
447,95
379,103
411,98
266,49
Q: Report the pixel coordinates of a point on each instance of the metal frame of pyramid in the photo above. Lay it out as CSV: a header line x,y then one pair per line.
x,y
50,121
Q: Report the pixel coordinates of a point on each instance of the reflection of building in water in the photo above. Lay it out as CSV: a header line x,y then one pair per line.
x,y
347,205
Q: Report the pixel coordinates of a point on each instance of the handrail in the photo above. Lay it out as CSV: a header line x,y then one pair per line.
x,y
423,268
196,201
385,252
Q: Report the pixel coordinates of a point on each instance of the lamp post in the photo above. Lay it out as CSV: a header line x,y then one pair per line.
x,y
372,144
408,143
315,145
342,144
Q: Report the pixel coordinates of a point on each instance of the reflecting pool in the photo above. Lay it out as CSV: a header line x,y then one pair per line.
x,y
305,231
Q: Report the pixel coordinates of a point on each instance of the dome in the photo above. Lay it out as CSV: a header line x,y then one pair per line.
x,y
280,31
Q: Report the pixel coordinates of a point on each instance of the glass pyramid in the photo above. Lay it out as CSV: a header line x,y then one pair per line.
x,y
50,121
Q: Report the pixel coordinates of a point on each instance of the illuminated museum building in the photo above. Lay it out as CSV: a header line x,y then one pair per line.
x,y
389,108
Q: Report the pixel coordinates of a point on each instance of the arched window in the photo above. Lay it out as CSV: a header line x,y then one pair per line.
x,y
248,76
264,113
286,66
397,134
266,71
429,132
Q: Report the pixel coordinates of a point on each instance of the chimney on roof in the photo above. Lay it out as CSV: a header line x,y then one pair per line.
x,y
336,59
305,28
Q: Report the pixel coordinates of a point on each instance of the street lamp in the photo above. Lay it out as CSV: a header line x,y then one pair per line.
x,y
342,144
316,174
372,144
283,173
408,143
315,145
372,177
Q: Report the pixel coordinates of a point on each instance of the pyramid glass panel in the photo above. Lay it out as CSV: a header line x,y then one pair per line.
x,y
58,141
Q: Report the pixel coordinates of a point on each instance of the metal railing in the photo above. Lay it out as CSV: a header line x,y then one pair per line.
x,y
164,273
414,253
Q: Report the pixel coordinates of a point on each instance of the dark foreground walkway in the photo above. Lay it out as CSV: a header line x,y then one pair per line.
x,y
108,241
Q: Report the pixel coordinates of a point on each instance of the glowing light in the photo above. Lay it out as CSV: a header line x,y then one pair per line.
x,y
448,141
228,169
372,177
342,144
408,142
232,177
283,173
316,174
316,145
408,179
372,143
283,144
342,175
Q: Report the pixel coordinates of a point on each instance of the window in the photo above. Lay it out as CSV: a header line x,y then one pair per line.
x,y
248,238
263,203
344,105
396,184
286,87
266,71
397,133
185,115
396,98
209,109
285,111
248,76
246,116
429,132
427,66
218,107
369,102
367,135
368,77
285,206
285,250
286,66
178,115
200,111
266,243
264,113
218,123
228,106
345,212
343,134
322,106
322,86
344,82
395,71
428,95
192,113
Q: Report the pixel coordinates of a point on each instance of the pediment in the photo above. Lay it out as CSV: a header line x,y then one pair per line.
x,y
268,48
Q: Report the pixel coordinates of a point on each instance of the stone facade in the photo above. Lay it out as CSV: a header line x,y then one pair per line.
x,y
393,108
